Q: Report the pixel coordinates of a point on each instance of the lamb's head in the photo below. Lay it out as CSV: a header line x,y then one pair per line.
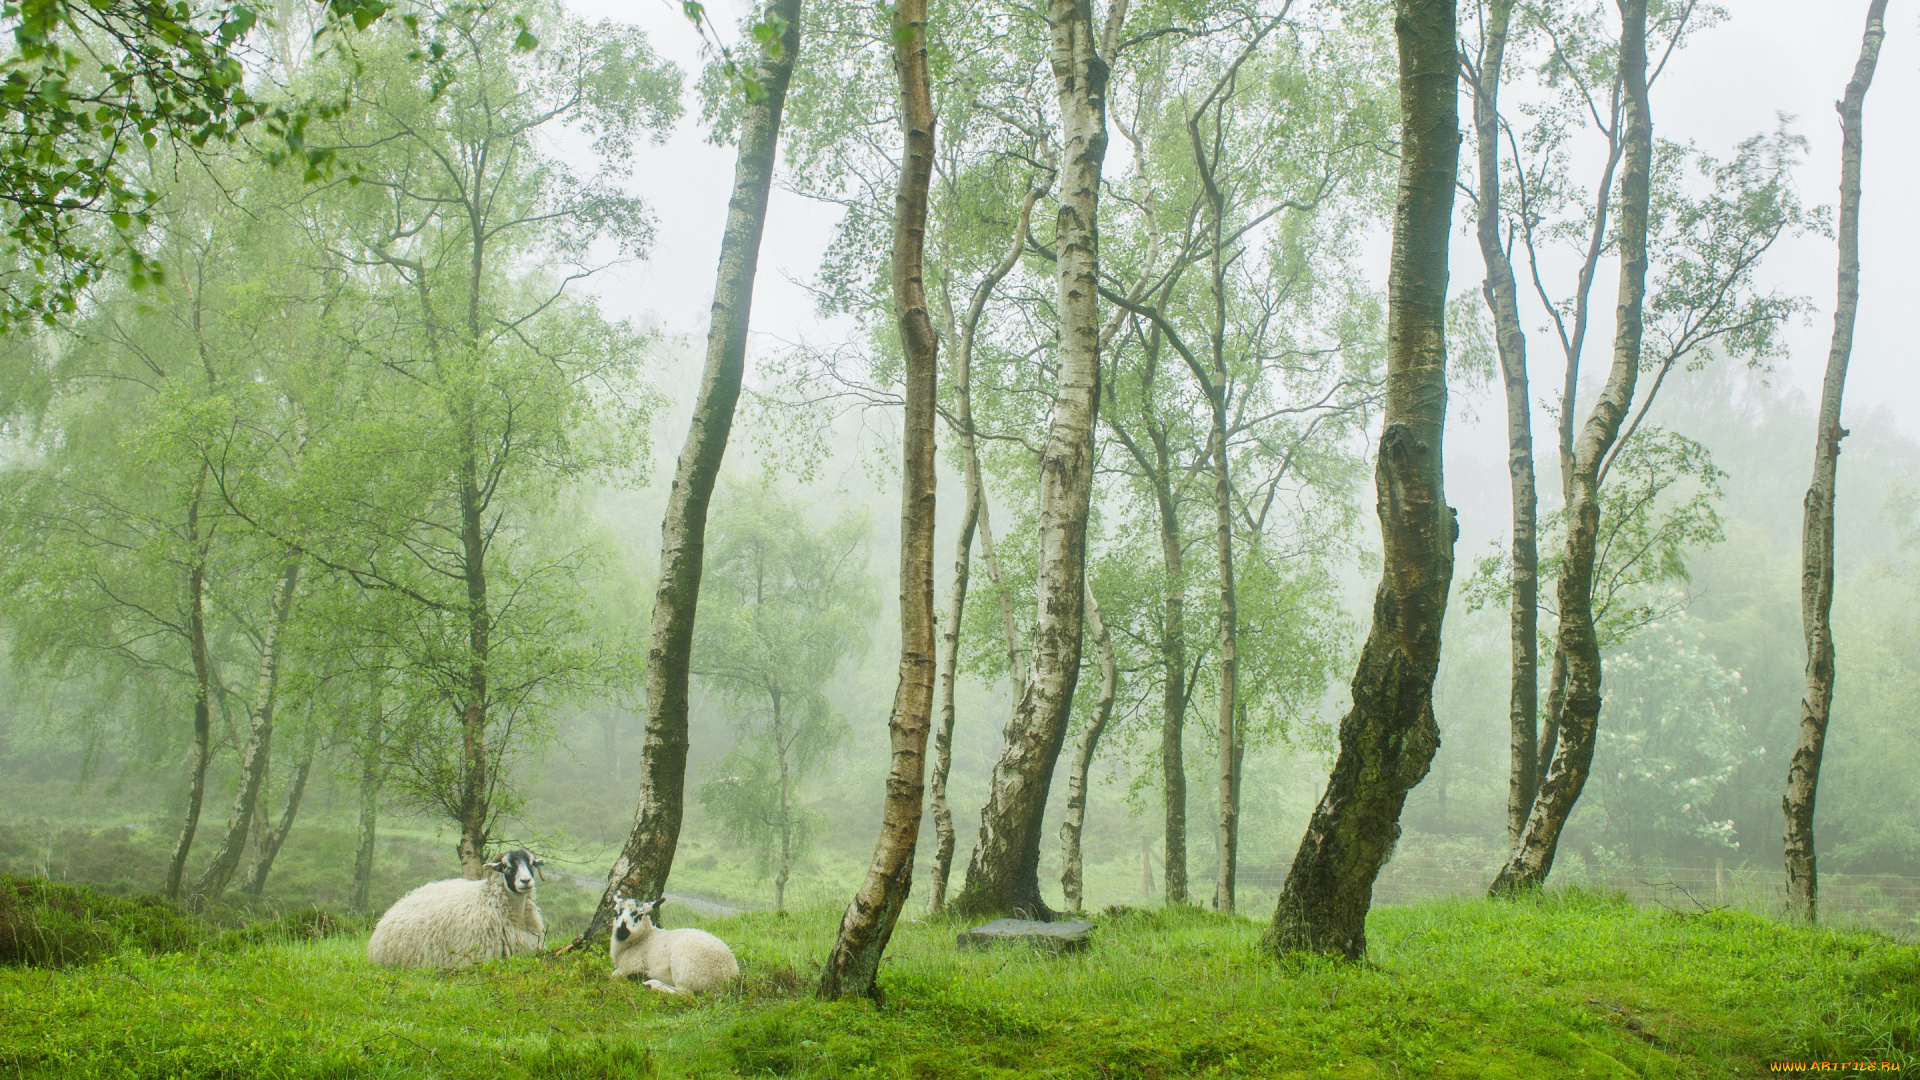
x,y
632,917
518,869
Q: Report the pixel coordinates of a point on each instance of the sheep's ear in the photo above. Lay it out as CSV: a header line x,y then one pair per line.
x,y
494,864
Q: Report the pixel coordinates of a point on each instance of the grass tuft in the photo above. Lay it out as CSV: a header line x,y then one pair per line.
x,y
309,924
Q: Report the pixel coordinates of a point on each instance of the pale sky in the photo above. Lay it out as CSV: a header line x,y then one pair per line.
x,y
1769,57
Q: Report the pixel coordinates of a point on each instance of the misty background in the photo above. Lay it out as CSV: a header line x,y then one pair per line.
x,y
1701,706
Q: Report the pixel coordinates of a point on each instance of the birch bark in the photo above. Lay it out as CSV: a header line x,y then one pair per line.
x,y
1816,535
1503,301
647,856
853,965
1388,738
1072,878
1577,645
1003,874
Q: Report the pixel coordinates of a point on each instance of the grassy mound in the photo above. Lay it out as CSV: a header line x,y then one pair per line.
x,y
48,924
1559,986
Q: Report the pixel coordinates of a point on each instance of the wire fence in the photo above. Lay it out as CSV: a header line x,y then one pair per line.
x,y
1883,902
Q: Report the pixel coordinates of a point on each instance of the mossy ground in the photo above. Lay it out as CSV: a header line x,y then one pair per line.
x,y
1562,986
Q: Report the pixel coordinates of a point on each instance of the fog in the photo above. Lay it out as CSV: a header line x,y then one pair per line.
x,y
1693,745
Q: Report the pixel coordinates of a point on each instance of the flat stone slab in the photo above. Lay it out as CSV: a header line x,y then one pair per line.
x,y
1069,935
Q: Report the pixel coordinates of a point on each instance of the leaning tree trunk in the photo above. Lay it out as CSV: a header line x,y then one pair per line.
x,y
259,753
1072,880
853,965
647,857
943,732
1816,536
975,518
269,847
202,697
1004,872
1576,642
1503,301
1388,738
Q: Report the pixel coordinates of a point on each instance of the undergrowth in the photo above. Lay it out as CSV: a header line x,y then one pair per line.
x,y
54,925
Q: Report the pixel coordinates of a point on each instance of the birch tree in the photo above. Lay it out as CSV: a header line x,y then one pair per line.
x,y
1254,175
1003,872
1816,534
157,400
647,857
1695,299
1484,71
853,964
1389,736
486,393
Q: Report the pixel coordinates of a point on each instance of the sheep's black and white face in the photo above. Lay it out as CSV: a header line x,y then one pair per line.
x,y
517,869
629,915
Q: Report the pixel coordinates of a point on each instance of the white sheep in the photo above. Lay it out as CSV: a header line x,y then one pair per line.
x,y
453,923
684,961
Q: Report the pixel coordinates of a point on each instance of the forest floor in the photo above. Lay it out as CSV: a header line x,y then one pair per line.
x,y
1566,985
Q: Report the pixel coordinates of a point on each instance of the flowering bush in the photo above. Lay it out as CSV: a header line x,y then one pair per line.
x,y
1670,738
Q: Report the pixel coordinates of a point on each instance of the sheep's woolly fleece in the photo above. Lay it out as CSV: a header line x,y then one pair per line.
x,y
454,923
685,961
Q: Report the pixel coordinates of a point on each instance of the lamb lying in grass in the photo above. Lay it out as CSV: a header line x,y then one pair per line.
x,y
453,923
671,961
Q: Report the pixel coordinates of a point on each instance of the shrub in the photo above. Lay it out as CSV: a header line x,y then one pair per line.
x,y
48,924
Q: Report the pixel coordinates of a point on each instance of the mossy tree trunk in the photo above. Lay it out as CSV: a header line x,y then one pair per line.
x,y
1388,737
647,856
853,966
1816,535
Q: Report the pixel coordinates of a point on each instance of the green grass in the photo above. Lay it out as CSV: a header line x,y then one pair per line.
x,y
1572,985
